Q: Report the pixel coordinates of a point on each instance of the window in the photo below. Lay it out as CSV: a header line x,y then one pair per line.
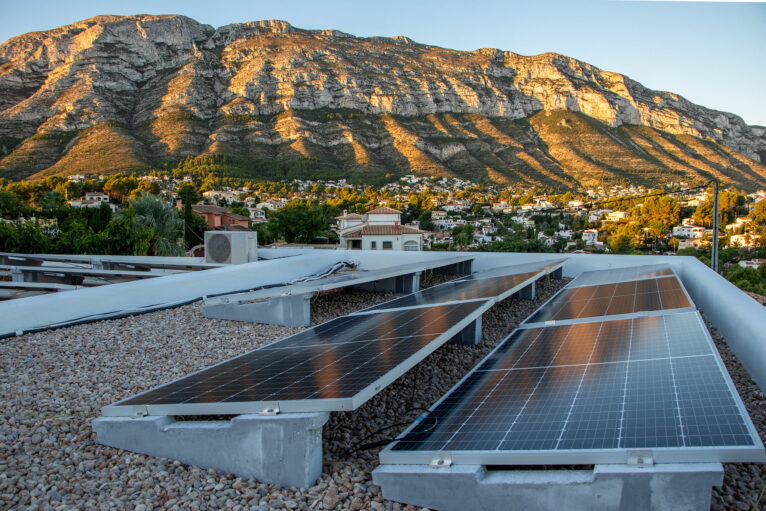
x,y
373,245
411,245
387,245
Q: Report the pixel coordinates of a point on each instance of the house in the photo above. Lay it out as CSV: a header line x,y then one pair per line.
x,y
753,263
379,229
596,214
92,200
227,195
691,243
688,231
218,217
456,206
617,216
742,240
347,220
548,241
590,236
738,223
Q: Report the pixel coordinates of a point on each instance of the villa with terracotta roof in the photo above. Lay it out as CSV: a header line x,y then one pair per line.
x,y
219,218
378,229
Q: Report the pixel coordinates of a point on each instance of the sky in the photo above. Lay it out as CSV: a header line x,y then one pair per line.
x,y
712,53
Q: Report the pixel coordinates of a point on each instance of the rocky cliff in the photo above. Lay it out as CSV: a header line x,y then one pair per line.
x,y
128,93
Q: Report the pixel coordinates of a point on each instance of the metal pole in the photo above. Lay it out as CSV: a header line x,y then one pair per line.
x,y
714,254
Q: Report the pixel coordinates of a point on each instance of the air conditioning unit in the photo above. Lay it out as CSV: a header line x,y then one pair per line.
x,y
230,247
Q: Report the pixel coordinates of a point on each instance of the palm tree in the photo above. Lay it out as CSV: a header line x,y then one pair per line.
x,y
164,222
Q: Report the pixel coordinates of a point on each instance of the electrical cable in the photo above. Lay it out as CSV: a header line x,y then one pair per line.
x,y
428,414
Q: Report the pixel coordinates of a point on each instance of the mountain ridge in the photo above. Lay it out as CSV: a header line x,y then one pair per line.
x,y
117,93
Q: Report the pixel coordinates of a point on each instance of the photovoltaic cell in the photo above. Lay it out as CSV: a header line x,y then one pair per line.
x,y
612,299
335,360
592,278
643,383
459,291
538,267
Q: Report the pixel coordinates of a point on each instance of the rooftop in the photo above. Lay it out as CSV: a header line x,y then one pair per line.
x,y
384,210
70,372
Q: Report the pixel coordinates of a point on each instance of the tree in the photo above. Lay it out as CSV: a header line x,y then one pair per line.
x,y
664,211
10,205
298,223
52,201
620,244
462,235
194,224
120,186
165,224
758,214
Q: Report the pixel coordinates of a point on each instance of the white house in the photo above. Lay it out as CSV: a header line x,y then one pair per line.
x,y
688,231
742,240
379,229
739,222
590,236
92,200
347,220
616,216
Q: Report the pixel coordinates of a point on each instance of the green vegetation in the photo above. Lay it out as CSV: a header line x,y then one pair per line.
x,y
748,279
297,222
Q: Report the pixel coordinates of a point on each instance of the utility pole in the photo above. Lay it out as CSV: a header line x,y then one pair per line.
x,y
714,254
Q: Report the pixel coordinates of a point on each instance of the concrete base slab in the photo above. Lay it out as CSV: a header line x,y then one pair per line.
x,y
289,310
284,449
680,487
470,335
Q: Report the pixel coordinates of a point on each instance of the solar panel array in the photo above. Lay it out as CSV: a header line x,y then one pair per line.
x,y
591,278
337,365
459,291
591,392
653,294
497,284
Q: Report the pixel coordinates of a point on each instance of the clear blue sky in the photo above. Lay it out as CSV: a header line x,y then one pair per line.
x,y
713,53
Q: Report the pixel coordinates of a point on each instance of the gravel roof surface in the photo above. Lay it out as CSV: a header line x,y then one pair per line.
x,y
52,384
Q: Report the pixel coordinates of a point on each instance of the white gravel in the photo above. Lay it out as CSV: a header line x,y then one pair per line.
x,y
53,383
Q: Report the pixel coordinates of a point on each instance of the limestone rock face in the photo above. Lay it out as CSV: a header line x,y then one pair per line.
x,y
164,87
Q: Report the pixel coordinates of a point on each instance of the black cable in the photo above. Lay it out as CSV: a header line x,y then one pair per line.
x,y
361,446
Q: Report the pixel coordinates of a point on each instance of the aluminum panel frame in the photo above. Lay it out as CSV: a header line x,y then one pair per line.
x,y
298,405
726,454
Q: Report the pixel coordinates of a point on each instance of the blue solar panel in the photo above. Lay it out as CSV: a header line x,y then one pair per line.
x,y
579,391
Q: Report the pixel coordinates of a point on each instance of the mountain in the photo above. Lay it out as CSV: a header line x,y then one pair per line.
x,y
116,93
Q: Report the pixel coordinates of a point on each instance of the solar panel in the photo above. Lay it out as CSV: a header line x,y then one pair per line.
x,y
590,393
591,278
657,294
335,366
459,291
544,267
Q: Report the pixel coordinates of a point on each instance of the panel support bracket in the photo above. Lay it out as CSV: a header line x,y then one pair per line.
x,y
641,458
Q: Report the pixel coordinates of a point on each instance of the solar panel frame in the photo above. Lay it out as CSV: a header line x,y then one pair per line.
x,y
545,267
624,274
528,323
697,454
291,405
534,275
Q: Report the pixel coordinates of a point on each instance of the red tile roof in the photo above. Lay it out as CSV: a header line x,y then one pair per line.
x,y
383,210
380,230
